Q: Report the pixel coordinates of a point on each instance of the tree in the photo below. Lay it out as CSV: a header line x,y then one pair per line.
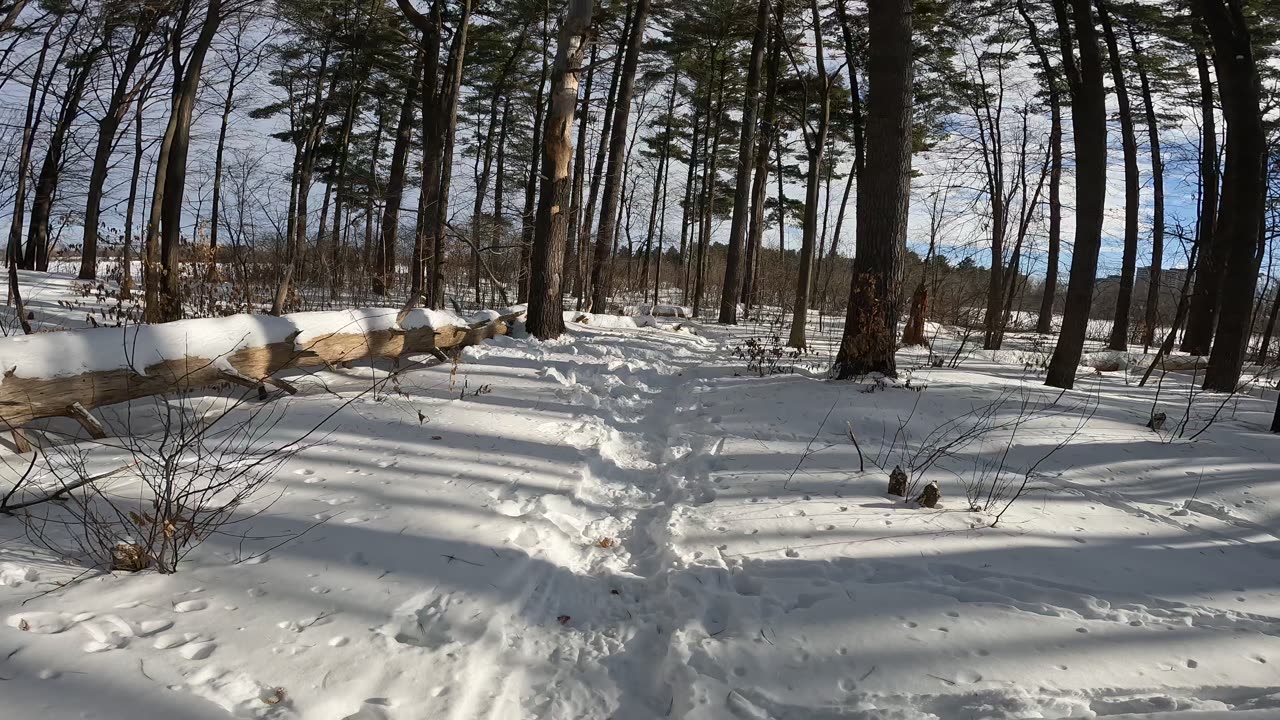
x,y
1244,186
732,287
600,269
868,343
546,314
1129,142
816,123
1202,315
1089,121
1044,323
123,93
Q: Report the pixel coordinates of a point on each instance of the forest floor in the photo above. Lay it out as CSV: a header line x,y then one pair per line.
x,y
627,523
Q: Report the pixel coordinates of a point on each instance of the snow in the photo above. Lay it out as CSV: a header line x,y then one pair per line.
x,y
629,525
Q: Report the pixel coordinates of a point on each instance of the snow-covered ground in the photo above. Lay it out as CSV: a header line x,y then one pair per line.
x,y
630,525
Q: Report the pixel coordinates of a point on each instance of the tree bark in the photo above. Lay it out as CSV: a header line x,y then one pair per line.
x,y
1089,120
868,343
546,316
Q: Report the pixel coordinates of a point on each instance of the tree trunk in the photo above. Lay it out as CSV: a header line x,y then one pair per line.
x,y
760,180
528,222
1203,314
732,287
585,257
1089,120
448,108
1044,324
546,316
572,250
1244,187
115,112
883,200
126,259
175,176
30,124
602,265
1129,142
1152,314
816,142
385,255
710,179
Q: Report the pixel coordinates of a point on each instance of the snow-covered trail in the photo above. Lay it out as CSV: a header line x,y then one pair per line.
x,y
623,525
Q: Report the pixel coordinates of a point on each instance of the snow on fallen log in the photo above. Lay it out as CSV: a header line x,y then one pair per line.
x,y
63,374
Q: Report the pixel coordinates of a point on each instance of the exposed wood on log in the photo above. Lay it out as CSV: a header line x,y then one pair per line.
x,y
87,420
20,441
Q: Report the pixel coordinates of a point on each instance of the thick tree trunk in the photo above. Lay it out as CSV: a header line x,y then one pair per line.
x,y
1202,317
1129,143
1244,187
868,344
1089,120
732,287
546,316
602,263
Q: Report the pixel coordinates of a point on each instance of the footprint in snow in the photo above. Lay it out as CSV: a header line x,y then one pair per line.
x,y
170,641
187,606
198,650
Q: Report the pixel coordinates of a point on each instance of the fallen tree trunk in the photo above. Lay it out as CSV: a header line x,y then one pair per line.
x,y
65,374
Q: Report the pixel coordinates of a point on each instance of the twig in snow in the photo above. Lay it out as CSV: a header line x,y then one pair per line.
x,y
468,562
808,448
